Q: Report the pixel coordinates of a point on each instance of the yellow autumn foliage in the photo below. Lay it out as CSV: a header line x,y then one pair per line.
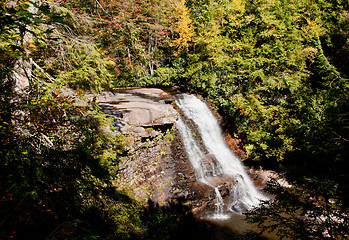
x,y
184,26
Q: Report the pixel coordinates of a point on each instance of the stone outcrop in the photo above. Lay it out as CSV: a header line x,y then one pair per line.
x,y
262,176
155,166
139,111
159,171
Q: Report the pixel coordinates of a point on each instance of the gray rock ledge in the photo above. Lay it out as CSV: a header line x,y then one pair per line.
x,y
139,111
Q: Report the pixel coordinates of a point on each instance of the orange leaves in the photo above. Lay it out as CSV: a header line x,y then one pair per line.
x,y
32,48
58,92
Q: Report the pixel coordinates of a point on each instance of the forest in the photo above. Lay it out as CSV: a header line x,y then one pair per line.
x,y
276,70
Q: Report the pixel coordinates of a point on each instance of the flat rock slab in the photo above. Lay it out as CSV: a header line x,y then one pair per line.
x,y
150,92
136,109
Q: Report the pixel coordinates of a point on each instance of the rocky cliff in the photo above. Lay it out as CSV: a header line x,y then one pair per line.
x,y
155,166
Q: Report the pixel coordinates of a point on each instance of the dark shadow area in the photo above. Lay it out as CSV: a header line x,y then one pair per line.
x,y
113,111
175,221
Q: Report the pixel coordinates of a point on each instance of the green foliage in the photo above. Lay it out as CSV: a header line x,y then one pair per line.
x,y
70,55
55,176
15,22
273,68
135,35
258,61
164,76
57,159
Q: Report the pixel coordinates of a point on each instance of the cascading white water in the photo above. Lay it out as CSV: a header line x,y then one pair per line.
x,y
244,194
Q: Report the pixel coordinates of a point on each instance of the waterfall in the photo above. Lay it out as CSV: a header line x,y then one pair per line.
x,y
212,158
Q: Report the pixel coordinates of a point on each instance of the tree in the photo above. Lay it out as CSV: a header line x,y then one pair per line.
x,y
55,175
134,35
266,65
184,27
